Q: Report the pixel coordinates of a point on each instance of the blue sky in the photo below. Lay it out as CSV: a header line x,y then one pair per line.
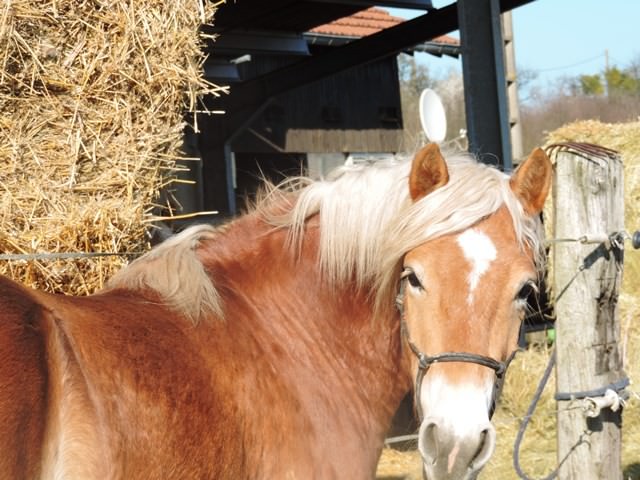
x,y
559,38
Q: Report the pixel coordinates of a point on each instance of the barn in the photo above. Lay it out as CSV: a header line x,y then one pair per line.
x,y
314,82
354,114
291,90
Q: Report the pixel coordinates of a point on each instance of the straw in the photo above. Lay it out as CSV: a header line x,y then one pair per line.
x,y
93,96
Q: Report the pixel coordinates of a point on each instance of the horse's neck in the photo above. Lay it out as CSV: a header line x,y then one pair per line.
x,y
303,347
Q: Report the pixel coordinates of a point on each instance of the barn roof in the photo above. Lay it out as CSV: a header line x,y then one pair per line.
x,y
360,24
277,27
367,22
374,20
291,29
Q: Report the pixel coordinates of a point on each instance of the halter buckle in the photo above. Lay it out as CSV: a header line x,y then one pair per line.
x,y
423,361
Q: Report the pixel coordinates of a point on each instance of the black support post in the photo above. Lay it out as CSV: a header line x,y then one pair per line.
x,y
485,85
218,192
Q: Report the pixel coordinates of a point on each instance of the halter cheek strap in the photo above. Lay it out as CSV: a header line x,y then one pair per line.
x,y
425,361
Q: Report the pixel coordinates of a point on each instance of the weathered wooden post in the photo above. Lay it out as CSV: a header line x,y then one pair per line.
x,y
589,206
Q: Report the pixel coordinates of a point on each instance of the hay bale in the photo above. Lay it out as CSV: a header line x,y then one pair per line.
x,y
624,138
93,95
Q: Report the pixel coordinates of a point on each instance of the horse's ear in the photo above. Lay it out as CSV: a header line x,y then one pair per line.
x,y
531,181
428,172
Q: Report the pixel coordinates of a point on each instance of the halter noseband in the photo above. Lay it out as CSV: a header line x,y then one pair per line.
x,y
425,361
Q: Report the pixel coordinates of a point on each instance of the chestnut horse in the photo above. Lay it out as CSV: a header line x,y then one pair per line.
x,y
271,348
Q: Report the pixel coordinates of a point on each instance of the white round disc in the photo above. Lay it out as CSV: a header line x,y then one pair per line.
x,y
432,116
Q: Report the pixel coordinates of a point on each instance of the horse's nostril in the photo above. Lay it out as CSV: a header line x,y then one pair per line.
x,y
448,454
428,443
481,445
485,448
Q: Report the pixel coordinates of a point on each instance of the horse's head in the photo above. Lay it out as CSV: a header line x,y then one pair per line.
x,y
463,297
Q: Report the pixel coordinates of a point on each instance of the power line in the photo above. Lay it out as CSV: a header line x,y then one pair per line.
x,y
564,67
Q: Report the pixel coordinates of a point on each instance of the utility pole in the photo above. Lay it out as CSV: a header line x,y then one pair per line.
x,y
512,88
606,72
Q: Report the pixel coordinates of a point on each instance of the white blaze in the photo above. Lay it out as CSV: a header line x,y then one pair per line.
x,y
480,251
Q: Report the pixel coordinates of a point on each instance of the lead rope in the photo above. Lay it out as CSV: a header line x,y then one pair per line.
x,y
527,418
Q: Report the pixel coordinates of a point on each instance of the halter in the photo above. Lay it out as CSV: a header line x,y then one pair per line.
x,y
425,361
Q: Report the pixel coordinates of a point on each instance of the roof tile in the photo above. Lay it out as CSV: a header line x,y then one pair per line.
x,y
367,22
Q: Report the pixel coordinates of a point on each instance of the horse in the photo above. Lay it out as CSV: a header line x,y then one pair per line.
x,y
280,344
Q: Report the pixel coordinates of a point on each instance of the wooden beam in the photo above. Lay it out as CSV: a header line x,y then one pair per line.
x,y
408,4
239,42
239,14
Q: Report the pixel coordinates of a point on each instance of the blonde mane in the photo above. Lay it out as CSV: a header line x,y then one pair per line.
x,y
367,224
174,271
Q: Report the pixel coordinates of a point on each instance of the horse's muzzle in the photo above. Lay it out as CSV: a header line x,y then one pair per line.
x,y
447,456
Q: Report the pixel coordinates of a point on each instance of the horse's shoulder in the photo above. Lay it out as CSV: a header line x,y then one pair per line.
x,y
23,380
15,297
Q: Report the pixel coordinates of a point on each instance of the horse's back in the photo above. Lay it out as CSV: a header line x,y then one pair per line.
x,y
106,386
23,382
150,405
118,386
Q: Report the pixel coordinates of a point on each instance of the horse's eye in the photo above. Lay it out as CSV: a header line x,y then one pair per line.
x,y
409,275
413,280
526,290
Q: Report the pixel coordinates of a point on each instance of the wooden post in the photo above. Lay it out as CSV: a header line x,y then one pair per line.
x,y
588,200
512,88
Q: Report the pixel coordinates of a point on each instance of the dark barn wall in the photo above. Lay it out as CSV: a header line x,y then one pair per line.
x,y
252,169
353,111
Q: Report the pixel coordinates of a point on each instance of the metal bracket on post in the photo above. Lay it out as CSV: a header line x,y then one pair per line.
x,y
593,406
